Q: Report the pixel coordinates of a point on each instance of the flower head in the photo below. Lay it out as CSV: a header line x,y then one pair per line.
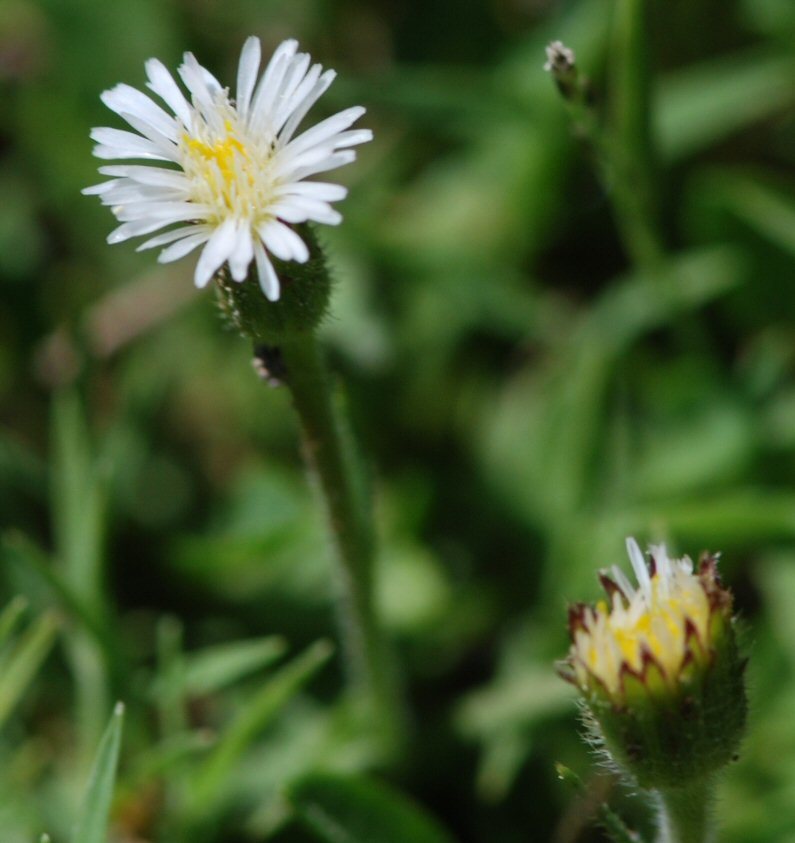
x,y
662,625
230,174
658,667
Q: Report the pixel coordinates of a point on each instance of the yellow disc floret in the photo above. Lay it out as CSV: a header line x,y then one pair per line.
x,y
231,174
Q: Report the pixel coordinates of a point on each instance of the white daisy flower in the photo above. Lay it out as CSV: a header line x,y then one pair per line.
x,y
232,177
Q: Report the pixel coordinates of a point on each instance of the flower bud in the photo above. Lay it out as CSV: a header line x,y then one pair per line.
x,y
659,669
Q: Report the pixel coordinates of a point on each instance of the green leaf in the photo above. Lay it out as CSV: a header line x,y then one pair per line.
x,y
257,714
10,617
756,199
348,809
78,501
92,823
21,550
24,662
217,667
702,105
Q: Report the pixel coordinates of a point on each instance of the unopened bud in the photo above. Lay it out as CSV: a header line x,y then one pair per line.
x,y
562,64
659,669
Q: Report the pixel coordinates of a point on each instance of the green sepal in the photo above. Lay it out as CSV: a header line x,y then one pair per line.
x,y
668,734
302,305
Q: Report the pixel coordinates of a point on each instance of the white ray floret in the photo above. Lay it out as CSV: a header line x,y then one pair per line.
x,y
227,175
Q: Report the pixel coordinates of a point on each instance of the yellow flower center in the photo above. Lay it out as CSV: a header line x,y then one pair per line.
x,y
229,173
222,153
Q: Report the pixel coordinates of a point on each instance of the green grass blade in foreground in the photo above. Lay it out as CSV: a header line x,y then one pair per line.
x,y
19,549
92,823
703,104
10,617
756,198
252,719
632,168
78,501
22,664
611,822
348,809
215,668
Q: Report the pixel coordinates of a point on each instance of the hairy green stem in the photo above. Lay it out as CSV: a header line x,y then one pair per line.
x,y
632,153
334,459
685,814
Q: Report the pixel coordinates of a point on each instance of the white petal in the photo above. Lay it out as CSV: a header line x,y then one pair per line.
x,y
118,143
242,253
311,209
203,87
288,212
174,234
315,189
103,187
352,138
326,128
270,84
182,247
268,279
146,130
283,242
134,229
639,567
171,211
163,84
329,162
124,99
217,250
247,73
144,174
303,107
297,97
129,193
622,581
286,101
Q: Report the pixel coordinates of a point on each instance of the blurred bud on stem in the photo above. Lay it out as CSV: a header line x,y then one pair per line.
x,y
561,63
662,681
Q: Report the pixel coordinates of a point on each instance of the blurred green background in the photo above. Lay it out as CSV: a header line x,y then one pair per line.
x,y
526,400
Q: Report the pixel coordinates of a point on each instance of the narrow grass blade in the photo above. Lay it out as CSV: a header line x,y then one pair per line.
x,y
259,712
24,662
347,809
21,550
78,500
10,617
215,668
92,823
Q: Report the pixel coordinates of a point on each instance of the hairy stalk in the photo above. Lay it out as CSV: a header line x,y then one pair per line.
x,y
685,814
335,462
632,156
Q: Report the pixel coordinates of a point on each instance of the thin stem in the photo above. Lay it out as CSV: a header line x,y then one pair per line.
x,y
333,458
686,813
633,157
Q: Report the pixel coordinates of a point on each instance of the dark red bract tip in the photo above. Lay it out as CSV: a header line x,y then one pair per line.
x,y
577,615
610,586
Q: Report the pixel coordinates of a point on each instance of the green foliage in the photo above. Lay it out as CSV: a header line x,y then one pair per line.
x,y
212,775
22,657
357,810
92,821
